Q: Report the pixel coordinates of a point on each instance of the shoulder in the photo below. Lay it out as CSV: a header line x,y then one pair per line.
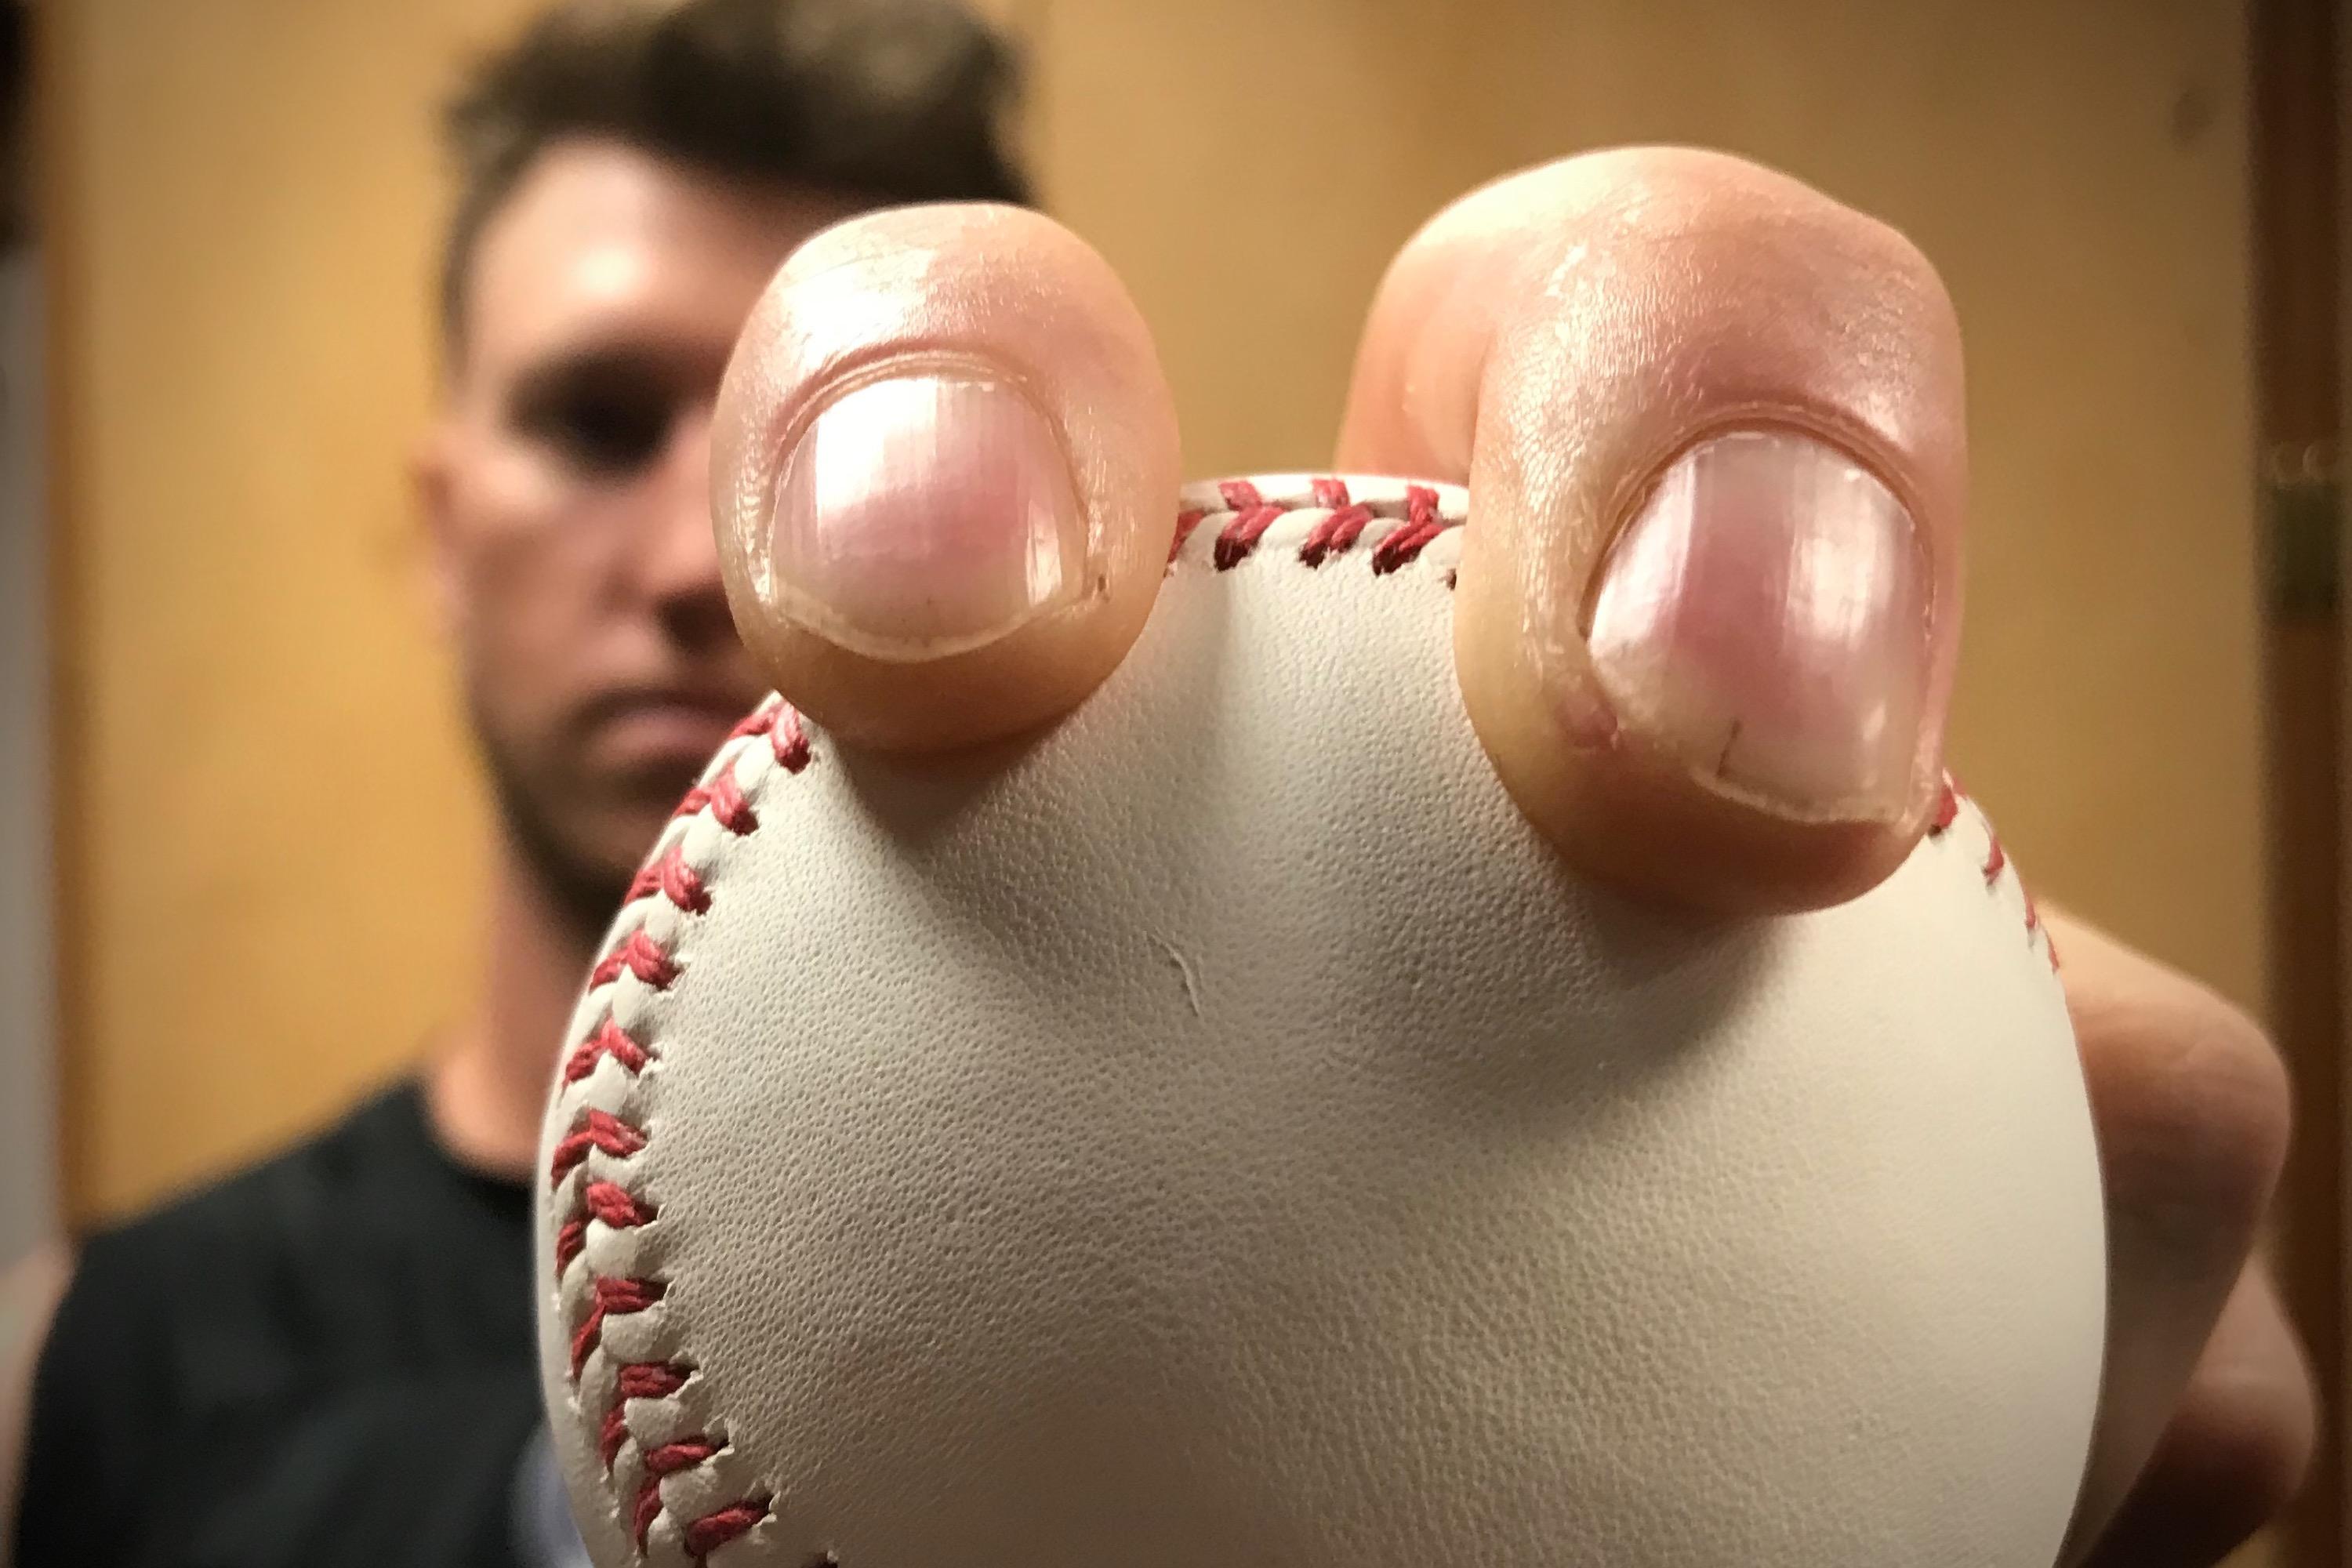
x,y
289,1197
292,1188
267,1364
163,1313
196,1275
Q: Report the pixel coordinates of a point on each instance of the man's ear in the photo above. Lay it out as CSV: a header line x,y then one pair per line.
x,y
432,469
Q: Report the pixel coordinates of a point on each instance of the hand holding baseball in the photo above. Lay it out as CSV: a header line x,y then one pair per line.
x,y
1704,627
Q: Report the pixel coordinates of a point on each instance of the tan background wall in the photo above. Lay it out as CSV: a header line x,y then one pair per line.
x,y
269,832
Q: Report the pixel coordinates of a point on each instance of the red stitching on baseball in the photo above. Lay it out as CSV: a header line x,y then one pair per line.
x,y
723,798
612,1435
1186,521
788,738
705,1533
651,1379
710,1532
1334,532
1240,495
673,879
1239,537
1948,811
759,720
1344,521
568,1243
638,1380
614,1298
1252,518
597,1129
612,1202
668,1460
608,1201
640,956
647,1510
719,1526
621,1295
780,723
617,1205
1422,525
1995,858
1338,531
609,1040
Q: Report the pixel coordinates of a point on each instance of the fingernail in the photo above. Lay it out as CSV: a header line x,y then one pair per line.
x,y
1764,618
926,513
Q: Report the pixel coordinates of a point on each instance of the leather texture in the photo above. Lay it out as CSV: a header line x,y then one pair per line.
x,y
1220,1131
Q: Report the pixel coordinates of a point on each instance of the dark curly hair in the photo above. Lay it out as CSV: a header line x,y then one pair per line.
x,y
892,101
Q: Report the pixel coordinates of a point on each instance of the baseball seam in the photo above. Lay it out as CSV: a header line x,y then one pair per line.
x,y
597,1158
1344,524
1996,864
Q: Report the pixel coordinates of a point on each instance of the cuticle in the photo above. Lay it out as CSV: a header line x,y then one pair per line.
x,y
857,372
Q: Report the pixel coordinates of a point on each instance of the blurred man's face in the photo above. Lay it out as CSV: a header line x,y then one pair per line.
x,y
567,487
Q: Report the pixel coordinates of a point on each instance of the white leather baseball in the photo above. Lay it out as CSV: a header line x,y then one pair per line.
x,y
1221,1132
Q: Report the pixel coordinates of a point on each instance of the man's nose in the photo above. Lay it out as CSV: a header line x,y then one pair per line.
x,y
678,564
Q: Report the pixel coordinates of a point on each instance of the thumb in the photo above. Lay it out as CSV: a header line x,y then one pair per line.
x,y
1708,601
941,467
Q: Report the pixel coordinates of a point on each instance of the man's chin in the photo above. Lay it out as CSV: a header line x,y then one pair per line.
x,y
617,837
584,852
582,819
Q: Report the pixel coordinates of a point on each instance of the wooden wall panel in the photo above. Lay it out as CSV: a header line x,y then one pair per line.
x,y
268,833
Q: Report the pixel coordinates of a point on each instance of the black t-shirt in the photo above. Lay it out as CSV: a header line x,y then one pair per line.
x,y
326,1359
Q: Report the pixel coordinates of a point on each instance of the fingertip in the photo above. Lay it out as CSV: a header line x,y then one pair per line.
x,y
1708,604
942,470
1624,808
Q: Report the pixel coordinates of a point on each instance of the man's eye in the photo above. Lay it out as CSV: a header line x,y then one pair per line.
x,y
608,433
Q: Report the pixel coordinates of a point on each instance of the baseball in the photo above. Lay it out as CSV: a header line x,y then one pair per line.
x,y
1221,1132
